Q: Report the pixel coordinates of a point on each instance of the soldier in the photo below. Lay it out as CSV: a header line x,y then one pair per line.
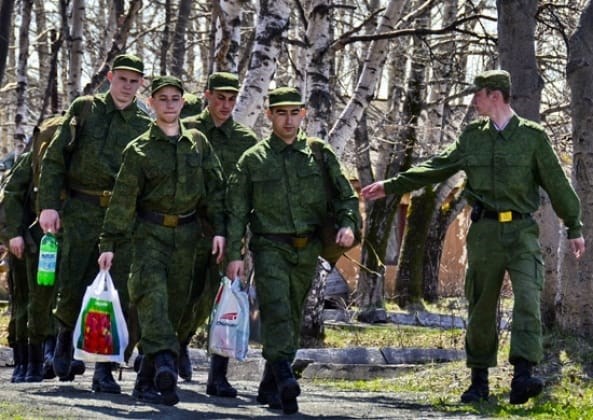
x,y
506,159
25,234
229,140
277,189
84,165
166,175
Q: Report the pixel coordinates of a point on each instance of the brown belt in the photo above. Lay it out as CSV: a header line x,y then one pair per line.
x,y
297,242
98,198
505,216
167,220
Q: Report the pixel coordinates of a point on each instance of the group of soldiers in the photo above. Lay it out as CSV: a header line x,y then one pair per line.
x,y
164,203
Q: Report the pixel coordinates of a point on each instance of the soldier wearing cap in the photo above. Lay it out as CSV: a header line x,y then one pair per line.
x,y
229,140
278,190
83,159
166,175
506,158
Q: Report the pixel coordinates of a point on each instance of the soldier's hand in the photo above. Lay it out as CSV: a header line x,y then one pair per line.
x,y
49,220
17,246
105,260
373,191
218,244
235,269
345,237
577,246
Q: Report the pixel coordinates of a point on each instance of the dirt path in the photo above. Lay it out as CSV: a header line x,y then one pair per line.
x,y
68,400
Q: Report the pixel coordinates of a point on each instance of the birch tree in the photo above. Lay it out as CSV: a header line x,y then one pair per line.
x,y
6,8
20,120
272,23
227,40
179,45
575,313
75,49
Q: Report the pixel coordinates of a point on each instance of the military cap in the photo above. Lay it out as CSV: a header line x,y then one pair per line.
x,y
285,96
493,80
160,82
223,81
128,62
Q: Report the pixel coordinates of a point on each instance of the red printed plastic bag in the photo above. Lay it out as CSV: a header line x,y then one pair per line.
x,y
229,322
100,334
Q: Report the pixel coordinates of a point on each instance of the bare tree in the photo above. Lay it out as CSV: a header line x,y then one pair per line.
x,y
575,313
178,58
75,49
5,28
228,36
21,73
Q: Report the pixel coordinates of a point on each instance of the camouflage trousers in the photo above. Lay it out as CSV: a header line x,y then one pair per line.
x,y
493,249
283,278
160,282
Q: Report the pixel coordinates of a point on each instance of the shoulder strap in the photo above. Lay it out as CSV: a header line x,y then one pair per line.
x,y
79,120
316,146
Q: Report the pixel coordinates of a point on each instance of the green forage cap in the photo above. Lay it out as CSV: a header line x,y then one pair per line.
x,y
128,62
285,96
493,80
223,81
160,82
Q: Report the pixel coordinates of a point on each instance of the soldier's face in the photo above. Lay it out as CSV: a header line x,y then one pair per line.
x,y
220,104
167,103
124,85
286,121
483,102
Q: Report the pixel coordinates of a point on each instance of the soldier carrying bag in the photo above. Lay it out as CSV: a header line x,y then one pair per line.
x,y
331,251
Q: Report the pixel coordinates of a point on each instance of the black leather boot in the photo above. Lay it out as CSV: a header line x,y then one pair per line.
x,y
21,358
165,378
267,393
49,346
63,352
288,387
478,390
184,362
77,367
103,379
35,363
217,384
524,385
144,389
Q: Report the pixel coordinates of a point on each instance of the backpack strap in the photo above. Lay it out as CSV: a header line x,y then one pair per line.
x,y
79,120
316,146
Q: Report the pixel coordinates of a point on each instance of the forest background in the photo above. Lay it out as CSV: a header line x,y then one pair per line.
x,y
383,82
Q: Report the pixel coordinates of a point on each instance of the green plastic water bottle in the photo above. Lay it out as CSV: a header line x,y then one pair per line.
x,y
48,257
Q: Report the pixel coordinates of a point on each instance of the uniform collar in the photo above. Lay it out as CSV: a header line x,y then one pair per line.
x,y
299,144
157,134
508,130
226,127
127,113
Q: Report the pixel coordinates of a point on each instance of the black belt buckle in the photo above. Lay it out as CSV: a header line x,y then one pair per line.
x,y
299,242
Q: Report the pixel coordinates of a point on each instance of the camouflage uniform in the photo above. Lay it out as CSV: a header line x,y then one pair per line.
x,y
20,218
229,141
164,176
278,190
504,172
85,170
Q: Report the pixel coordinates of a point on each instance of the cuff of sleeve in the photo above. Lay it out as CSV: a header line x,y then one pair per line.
x,y
390,186
573,233
106,246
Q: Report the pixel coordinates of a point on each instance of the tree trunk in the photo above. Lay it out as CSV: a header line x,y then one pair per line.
x,y
75,49
179,35
5,29
20,119
312,330
272,23
576,292
166,37
228,36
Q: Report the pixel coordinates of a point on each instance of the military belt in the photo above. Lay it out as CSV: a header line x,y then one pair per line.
x,y
297,242
505,216
167,220
98,198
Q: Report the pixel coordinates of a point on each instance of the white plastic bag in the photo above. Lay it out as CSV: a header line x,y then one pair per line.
x,y
100,334
229,322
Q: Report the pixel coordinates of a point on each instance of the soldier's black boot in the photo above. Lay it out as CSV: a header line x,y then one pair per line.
x,y
138,362
49,346
35,363
20,362
288,387
524,385
144,389
165,377
217,384
63,353
267,393
103,379
184,362
478,390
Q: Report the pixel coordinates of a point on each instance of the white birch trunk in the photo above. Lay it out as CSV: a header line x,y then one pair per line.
x,y
75,48
344,128
272,23
20,120
228,36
